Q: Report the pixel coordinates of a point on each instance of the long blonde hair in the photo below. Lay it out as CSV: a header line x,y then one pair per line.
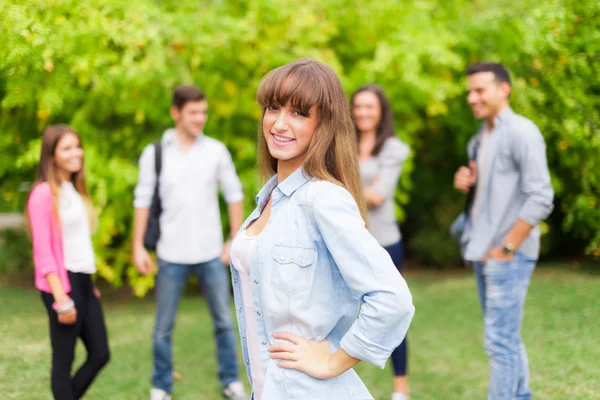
x,y
47,172
333,152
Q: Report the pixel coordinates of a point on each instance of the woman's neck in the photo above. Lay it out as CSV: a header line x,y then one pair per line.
x,y
366,143
368,135
65,176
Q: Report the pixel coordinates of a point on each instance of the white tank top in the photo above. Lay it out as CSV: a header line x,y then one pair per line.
x,y
241,255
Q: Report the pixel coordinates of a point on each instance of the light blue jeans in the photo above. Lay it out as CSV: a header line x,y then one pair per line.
x,y
213,278
502,290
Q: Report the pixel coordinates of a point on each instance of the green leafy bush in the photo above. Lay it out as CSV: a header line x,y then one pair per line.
x,y
15,251
108,67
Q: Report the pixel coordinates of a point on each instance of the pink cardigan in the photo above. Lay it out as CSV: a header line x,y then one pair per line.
x,y
47,238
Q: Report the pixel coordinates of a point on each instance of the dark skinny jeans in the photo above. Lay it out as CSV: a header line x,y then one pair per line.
x,y
92,331
400,354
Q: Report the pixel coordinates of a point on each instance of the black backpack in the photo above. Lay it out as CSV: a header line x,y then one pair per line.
x,y
153,228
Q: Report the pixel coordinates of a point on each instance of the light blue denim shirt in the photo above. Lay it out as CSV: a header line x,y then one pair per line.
x,y
318,273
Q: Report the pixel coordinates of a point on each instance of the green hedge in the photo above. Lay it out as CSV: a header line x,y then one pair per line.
x,y
107,67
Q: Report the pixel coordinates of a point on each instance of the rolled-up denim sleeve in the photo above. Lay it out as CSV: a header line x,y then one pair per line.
x,y
144,189
369,273
228,180
535,176
392,156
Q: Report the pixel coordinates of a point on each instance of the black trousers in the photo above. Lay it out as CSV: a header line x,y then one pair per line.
x,y
92,331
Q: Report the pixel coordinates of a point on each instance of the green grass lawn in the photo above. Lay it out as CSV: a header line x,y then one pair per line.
x,y
561,331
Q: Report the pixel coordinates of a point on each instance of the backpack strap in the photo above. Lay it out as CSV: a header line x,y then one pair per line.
x,y
157,159
152,233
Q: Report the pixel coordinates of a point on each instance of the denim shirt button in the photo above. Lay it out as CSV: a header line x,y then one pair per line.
x,y
258,313
244,337
282,258
264,343
256,282
240,309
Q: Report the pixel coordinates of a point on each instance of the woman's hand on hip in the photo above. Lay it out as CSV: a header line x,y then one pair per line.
x,y
305,355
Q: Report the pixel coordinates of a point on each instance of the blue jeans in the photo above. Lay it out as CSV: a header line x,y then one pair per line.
x,y
214,280
502,289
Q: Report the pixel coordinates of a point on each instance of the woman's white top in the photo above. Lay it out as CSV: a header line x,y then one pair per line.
x,y
75,228
241,255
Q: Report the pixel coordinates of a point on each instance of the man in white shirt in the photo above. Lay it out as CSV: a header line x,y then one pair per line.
x,y
191,239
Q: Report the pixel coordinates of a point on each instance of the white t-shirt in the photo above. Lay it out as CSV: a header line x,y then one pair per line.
x,y
75,228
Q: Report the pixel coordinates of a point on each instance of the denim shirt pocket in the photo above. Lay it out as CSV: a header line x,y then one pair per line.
x,y
293,268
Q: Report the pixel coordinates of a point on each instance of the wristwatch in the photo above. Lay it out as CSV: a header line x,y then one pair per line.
x,y
507,249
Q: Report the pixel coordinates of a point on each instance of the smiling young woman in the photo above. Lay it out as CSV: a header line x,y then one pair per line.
x,y
288,132
61,219
303,264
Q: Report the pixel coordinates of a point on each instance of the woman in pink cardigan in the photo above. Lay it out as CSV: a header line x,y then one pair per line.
x,y
61,218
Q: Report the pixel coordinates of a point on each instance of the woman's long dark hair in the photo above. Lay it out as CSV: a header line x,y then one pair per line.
x,y
385,127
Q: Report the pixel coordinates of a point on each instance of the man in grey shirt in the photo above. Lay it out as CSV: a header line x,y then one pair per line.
x,y
510,193
194,166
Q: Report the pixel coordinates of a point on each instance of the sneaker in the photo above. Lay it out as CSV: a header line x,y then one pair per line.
x,y
235,391
159,394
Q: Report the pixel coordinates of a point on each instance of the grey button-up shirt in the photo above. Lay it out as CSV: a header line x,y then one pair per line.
x,y
517,186
190,223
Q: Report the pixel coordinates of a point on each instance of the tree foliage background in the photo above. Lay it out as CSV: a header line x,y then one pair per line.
x,y
108,67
